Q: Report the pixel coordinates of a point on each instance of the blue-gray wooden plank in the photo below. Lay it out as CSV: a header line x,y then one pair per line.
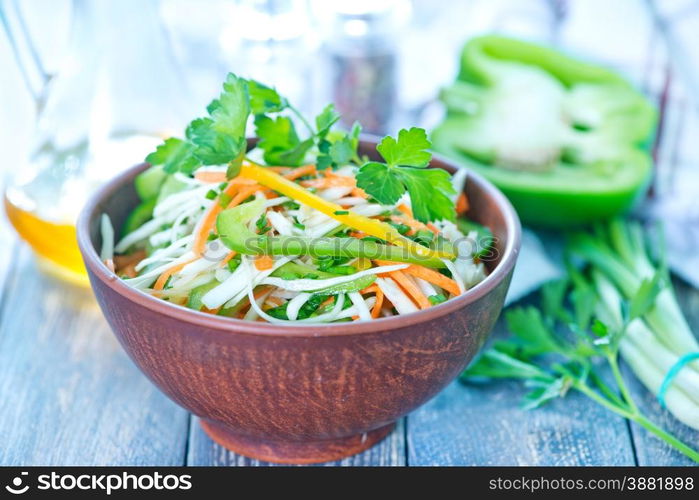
x,y
68,392
482,424
203,451
8,251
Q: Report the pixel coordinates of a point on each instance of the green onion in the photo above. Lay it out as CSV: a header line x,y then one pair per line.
x,y
345,270
437,299
657,334
224,199
233,263
401,228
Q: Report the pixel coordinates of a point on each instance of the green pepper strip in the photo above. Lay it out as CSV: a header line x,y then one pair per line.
x,y
236,236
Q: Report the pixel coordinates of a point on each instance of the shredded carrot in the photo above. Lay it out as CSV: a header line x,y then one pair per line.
x,y
110,265
405,209
218,177
414,224
462,204
123,261
211,177
264,262
433,277
289,173
211,311
327,302
274,301
280,170
162,279
209,221
376,310
408,286
359,193
357,234
300,172
408,219
426,274
257,293
242,180
125,265
328,182
243,195
261,290
207,224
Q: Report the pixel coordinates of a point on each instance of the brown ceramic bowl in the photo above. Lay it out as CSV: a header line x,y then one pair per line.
x,y
300,394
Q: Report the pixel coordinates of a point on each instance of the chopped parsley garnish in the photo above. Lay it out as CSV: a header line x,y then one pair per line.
x,y
224,199
401,228
437,299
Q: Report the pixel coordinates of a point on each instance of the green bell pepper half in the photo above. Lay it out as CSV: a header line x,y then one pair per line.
x,y
566,141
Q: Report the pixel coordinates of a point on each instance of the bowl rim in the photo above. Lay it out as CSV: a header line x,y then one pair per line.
x,y
240,326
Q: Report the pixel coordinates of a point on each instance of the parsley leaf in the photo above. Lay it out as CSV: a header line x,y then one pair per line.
x,y
264,99
213,140
377,180
326,119
279,141
404,169
341,151
175,155
409,150
336,153
210,146
429,190
229,113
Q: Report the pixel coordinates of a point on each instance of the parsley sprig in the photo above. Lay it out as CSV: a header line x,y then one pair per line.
x,y
216,139
566,346
404,169
219,139
280,141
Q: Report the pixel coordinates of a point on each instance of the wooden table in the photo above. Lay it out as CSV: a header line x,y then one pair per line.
x,y
69,395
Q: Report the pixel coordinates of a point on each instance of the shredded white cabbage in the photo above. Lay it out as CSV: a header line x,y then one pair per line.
x,y
301,285
400,300
362,309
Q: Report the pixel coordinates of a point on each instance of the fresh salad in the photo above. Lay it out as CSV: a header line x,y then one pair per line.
x,y
299,229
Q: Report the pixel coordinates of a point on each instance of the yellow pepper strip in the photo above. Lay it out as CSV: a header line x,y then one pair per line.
x,y
372,227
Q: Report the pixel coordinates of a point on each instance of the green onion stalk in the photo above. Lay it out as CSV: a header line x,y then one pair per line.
x,y
659,340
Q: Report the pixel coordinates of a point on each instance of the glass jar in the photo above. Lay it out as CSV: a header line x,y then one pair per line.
x,y
116,94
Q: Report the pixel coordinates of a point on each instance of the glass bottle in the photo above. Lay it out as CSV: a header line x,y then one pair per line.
x,y
360,46
116,94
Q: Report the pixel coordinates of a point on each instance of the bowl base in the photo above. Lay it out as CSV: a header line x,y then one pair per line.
x,y
294,452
